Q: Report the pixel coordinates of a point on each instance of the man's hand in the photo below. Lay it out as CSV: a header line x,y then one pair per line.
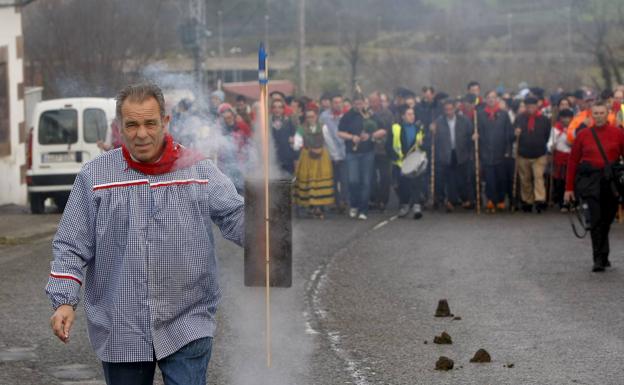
x,y
518,131
355,139
62,321
475,136
569,197
364,136
433,127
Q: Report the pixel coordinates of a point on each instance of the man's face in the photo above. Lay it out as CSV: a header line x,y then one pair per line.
x,y
215,101
228,118
359,104
409,117
385,103
475,90
336,104
491,99
143,129
531,108
599,113
375,102
241,104
411,102
449,110
277,109
326,104
564,104
428,96
618,96
566,121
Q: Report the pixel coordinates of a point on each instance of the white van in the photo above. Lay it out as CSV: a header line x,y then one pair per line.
x,y
64,136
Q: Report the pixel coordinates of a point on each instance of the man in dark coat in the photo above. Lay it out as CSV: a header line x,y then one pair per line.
x,y
533,131
495,135
452,134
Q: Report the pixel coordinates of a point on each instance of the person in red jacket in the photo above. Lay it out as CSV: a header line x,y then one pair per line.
x,y
586,179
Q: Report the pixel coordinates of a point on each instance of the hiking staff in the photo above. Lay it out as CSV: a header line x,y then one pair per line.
x,y
432,178
514,192
477,165
263,79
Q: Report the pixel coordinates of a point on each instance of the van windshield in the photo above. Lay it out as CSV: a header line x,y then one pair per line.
x,y
95,125
58,127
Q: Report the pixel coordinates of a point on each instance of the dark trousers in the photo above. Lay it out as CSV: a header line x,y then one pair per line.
x,y
341,182
381,179
558,191
187,366
510,168
411,190
602,213
495,178
451,180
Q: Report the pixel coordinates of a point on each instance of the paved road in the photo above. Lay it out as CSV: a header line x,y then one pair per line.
x,y
362,306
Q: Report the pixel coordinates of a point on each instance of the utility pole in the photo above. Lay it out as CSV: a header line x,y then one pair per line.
x,y
197,13
510,32
266,27
220,32
569,26
301,48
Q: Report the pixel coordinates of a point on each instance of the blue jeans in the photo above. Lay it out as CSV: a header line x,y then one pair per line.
x,y
187,366
360,170
341,191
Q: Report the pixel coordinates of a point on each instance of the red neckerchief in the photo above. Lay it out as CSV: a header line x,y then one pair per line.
x,y
174,157
531,123
491,112
337,115
559,127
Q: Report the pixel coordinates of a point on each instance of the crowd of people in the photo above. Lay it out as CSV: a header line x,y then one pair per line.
x,y
347,155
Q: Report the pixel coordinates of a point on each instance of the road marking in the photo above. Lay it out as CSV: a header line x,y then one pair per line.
x,y
380,225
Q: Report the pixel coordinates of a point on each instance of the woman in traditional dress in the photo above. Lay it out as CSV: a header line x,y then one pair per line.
x,y
314,184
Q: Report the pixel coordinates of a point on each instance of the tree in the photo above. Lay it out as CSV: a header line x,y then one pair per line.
x,y
86,47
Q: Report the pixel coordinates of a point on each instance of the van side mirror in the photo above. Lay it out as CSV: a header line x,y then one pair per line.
x,y
79,157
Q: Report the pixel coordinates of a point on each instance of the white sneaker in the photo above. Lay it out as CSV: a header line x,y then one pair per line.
x,y
417,210
353,213
362,217
403,211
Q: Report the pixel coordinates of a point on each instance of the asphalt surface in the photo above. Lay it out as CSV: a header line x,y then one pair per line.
x,y
362,305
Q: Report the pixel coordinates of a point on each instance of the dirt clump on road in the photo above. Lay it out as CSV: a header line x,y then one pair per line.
x,y
443,309
481,356
443,339
444,363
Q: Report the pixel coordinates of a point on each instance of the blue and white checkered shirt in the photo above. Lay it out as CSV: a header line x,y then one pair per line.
x,y
144,249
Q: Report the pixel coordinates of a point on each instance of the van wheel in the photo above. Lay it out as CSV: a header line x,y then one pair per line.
x,y
37,203
61,202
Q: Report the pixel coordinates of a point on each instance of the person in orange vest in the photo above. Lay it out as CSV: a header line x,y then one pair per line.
x,y
582,119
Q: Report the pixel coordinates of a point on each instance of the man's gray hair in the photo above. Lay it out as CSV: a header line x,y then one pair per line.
x,y
140,93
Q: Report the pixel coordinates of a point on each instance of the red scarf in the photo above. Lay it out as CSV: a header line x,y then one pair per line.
x,y
491,112
531,123
174,157
559,127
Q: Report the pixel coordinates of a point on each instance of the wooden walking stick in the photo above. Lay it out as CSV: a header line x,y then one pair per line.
x,y
514,192
263,78
432,180
477,165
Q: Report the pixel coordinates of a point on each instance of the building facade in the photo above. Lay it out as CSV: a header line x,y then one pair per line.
x,y
13,130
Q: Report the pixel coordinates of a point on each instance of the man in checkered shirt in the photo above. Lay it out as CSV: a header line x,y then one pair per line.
x,y
137,233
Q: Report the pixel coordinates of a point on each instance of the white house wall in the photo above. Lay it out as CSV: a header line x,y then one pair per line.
x,y
12,183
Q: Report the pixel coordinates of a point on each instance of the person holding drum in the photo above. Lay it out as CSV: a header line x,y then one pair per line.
x,y
405,148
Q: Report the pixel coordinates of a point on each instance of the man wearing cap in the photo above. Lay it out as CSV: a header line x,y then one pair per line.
x,y
533,131
137,234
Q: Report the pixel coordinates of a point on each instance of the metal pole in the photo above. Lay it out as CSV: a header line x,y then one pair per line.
x,y
510,32
263,78
301,48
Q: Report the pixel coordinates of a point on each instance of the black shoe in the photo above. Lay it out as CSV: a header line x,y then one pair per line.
x,y
527,208
598,269
607,263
